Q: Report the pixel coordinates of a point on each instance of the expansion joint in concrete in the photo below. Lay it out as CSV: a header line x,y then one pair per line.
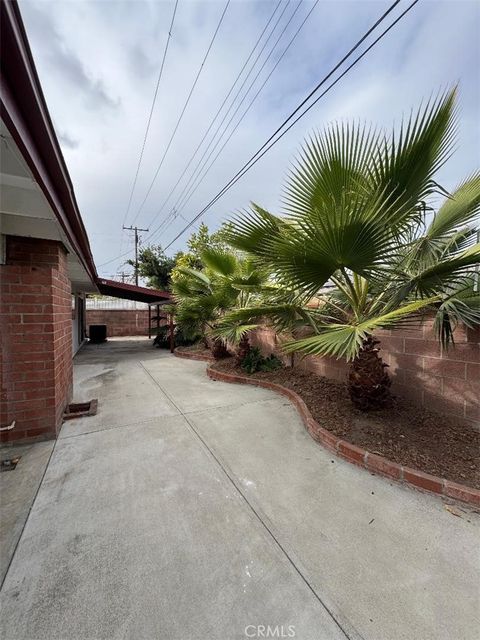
x,y
351,634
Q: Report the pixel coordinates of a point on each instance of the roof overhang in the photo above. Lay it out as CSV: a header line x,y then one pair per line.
x,y
25,115
132,292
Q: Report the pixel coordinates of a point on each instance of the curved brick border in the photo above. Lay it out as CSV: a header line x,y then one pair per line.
x,y
357,455
191,355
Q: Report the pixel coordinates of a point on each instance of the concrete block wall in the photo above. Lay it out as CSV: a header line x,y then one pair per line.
x,y
126,322
447,381
36,338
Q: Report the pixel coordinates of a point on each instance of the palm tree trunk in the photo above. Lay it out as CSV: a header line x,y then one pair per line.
x,y
243,349
219,350
368,382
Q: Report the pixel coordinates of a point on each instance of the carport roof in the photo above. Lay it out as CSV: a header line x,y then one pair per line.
x,y
131,291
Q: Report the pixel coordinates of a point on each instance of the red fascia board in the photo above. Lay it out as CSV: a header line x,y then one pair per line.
x,y
131,291
25,113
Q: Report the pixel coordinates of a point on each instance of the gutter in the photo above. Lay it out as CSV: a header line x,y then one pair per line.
x,y
25,113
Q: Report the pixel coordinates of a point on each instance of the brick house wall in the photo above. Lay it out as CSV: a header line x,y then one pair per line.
x,y
125,322
36,338
445,381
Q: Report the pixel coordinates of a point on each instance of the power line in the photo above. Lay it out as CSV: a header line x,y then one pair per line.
x,y
160,73
263,149
223,103
195,187
183,111
199,166
269,144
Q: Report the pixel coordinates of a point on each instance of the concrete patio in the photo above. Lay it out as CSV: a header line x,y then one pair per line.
x,y
188,509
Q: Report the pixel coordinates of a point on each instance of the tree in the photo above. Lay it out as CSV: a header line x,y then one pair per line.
x,y
155,266
197,243
203,297
356,236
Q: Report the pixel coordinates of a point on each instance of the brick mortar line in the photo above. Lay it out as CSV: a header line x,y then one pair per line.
x,y
357,455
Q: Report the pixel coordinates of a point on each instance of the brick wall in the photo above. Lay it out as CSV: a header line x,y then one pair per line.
x,y
126,322
446,381
36,338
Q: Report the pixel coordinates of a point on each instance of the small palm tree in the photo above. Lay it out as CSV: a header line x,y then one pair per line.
x,y
358,238
203,298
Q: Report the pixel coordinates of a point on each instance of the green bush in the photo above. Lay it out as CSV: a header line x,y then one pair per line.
x,y
162,339
254,361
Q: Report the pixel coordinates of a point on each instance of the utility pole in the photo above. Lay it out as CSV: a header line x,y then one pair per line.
x,y
136,229
124,276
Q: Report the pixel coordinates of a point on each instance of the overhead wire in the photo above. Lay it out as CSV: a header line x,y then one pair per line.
x,y
147,130
201,163
180,206
192,157
187,101
272,141
160,74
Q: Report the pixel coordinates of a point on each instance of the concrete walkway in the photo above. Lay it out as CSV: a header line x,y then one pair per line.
x,y
189,509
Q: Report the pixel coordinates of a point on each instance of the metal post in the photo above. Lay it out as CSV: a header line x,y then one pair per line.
x,y
172,337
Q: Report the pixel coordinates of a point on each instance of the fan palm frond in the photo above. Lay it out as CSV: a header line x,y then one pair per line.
x,y
345,340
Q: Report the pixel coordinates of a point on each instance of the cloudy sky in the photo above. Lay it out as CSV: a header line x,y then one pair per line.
x,y
99,61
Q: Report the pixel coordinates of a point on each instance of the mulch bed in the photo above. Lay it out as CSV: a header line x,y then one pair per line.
x,y
406,434
198,349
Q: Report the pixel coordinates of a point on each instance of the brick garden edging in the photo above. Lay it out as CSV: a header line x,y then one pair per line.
x,y
191,355
352,453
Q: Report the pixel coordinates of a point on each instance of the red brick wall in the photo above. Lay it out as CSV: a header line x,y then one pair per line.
x,y
36,338
445,381
126,322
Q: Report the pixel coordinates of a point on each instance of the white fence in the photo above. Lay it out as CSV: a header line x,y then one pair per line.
x,y
114,304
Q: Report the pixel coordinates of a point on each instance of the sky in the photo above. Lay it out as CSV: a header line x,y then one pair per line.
x,y
99,63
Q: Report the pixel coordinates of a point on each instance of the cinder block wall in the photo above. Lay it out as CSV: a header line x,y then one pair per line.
x,y
126,322
445,381
36,338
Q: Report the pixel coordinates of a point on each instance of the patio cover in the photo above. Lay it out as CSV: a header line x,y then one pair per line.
x,y
132,292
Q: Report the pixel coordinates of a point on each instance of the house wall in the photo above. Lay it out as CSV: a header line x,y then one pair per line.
x,y
126,322
36,338
445,381
78,321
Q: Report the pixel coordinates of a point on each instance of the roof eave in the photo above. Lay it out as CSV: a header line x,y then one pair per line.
x,y
25,113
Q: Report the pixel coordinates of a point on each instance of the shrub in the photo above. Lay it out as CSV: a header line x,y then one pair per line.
x,y
162,339
254,361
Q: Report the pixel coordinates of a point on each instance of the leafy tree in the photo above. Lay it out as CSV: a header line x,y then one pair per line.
x,y
154,266
160,270
357,238
197,243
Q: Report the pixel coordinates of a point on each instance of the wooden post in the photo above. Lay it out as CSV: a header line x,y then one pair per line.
x,y
172,337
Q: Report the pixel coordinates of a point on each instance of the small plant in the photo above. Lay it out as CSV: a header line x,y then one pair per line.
x,y
254,361
272,363
161,339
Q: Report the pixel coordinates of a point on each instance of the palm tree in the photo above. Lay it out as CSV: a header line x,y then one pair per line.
x,y
357,236
203,297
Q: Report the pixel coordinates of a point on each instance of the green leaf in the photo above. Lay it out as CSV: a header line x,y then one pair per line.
x,y
459,209
232,333
404,165
220,262
345,340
